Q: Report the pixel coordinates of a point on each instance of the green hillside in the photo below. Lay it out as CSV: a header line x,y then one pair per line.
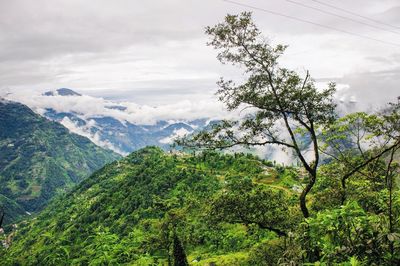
x,y
152,208
127,212
38,157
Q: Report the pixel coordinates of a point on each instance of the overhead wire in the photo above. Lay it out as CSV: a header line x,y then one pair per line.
x,y
340,16
355,14
310,22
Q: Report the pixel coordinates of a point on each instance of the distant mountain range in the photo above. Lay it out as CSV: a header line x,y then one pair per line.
x,y
112,124
39,157
124,127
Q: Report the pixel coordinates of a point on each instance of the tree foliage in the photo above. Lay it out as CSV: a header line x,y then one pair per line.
x,y
279,98
246,203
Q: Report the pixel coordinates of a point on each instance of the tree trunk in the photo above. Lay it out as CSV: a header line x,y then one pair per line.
x,y
304,193
343,197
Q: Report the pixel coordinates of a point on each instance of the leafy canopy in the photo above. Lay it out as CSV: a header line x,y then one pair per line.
x,y
279,98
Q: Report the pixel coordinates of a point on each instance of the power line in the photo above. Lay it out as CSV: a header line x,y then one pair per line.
x,y
340,16
355,14
310,22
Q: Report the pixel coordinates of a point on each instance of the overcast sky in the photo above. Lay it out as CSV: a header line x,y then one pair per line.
x,y
154,52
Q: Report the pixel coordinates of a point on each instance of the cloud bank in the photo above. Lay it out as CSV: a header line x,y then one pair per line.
x,y
87,107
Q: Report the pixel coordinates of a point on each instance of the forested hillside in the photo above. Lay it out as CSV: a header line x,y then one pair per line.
x,y
226,209
131,210
39,157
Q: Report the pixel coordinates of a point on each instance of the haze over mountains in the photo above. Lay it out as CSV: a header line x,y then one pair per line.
x,y
120,126
124,126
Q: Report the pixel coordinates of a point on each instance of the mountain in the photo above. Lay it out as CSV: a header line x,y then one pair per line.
x,y
62,92
126,126
122,127
126,212
123,136
39,157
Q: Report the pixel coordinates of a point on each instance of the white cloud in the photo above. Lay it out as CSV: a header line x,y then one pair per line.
x,y
88,107
94,137
177,133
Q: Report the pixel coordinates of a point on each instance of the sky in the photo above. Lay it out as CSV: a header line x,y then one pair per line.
x,y
154,52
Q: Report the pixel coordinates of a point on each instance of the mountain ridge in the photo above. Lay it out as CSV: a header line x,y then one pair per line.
x,y
120,126
38,157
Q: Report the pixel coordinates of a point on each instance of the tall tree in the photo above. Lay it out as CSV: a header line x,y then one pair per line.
x,y
179,253
278,99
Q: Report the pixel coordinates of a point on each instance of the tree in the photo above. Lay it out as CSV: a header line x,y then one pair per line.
x,y
173,218
179,253
360,141
392,171
345,232
247,203
278,99
366,145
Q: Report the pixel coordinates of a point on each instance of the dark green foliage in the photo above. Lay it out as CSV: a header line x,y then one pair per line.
x,y
247,203
39,157
267,253
354,197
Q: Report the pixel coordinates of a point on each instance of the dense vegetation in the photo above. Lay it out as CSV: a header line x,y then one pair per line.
x,y
137,209
349,206
227,209
39,157
341,206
